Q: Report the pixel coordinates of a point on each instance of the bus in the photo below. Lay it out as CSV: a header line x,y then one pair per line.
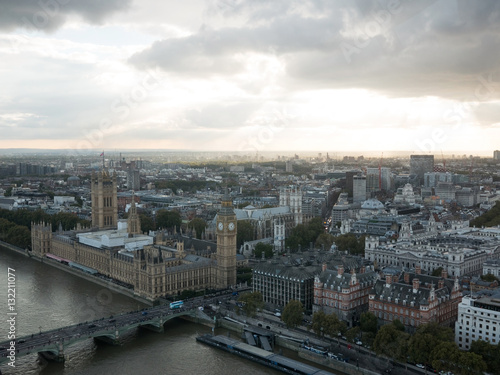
x,y
176,304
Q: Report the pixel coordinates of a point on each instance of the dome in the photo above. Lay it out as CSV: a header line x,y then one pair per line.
x,y
372,204
74,178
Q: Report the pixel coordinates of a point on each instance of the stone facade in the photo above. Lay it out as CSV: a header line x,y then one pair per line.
x,y
153,271
478,319
104,200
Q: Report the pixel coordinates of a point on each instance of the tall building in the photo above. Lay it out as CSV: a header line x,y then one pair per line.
x,y
133,179
372,179
420,164
359,189
133,221
104,201
431,179
226,244
292,197
496,154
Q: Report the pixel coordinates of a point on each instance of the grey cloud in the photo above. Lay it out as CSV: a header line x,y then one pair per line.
x,y
49,15
212,51
433,47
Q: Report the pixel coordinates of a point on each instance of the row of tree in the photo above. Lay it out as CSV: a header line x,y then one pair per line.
x,y
488,219
26,217
17,235
432,345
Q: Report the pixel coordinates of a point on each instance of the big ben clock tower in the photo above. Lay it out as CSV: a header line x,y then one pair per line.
x,y
226,244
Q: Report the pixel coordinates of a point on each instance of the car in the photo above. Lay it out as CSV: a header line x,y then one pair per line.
x,y
359,343
144,313
278,314
419,365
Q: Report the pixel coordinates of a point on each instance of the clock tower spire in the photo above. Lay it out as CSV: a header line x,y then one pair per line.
x,y
226,244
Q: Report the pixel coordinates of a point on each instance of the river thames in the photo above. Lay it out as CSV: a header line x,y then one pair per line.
x,y
48,298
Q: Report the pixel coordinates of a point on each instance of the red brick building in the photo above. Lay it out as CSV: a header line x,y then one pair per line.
x,y
416,299
343,293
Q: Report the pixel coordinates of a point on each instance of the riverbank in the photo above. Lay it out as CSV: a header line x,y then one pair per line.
x,y
359,363
94,279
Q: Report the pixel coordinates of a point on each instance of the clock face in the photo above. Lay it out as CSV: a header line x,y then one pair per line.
x,y
220,226
231,226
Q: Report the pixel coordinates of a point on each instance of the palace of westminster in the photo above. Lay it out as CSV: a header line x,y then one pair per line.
x,y
155,267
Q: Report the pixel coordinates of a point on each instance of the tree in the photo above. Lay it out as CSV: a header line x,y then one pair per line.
x,y
399,326
445,356
490,354
437,271
489,277
244,232
318,322
348,242
168,219
8,192
332,325
368,322
261,247
324,240
353,333
251,302
304,234
293,313
421,346
199,226
470,364
147,223
387,341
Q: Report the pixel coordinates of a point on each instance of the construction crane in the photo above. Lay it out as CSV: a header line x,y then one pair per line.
x,y
380,172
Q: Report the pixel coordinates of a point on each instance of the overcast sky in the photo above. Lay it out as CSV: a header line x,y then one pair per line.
x,y
255,75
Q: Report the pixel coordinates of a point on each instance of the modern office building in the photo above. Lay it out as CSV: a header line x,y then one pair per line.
x,y
421,164
359,189
372,179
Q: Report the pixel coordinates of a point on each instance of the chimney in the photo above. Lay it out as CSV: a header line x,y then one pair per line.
x,y
416,284
340,270
441,284
323,267
362,269
407,278
444,274
418,270
388,280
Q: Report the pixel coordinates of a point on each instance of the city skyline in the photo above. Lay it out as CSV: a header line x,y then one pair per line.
x,y
229,75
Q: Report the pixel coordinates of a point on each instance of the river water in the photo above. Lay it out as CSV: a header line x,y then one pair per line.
x,y
48,298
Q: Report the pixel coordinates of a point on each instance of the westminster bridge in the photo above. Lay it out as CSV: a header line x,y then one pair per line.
x,y
51,344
